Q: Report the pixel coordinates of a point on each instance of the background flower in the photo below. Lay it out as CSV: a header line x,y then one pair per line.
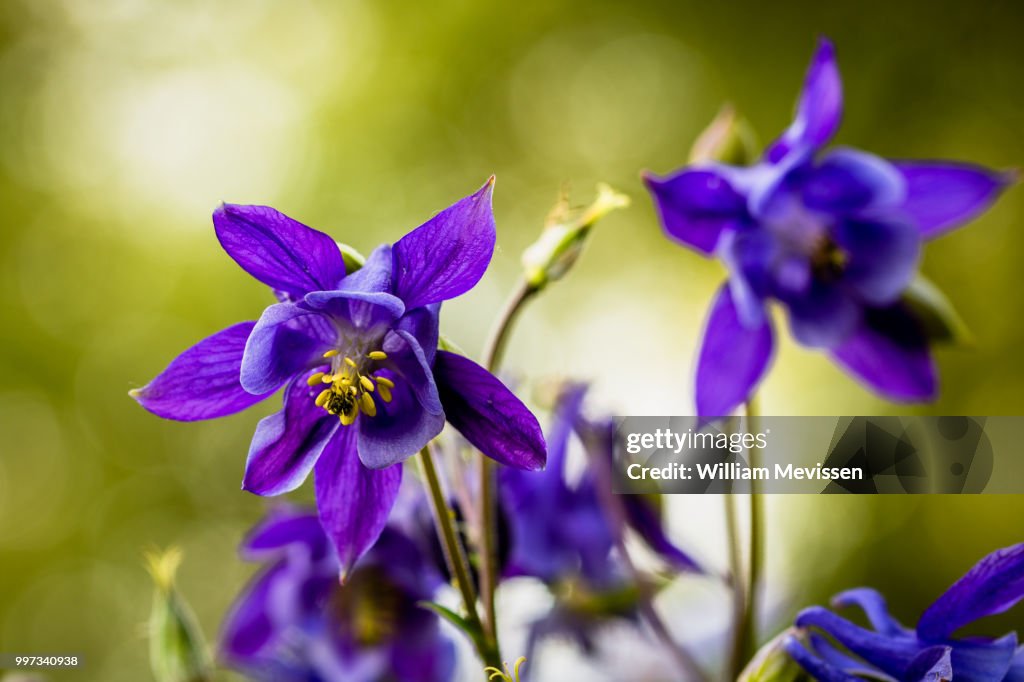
x,y
834,236
993,585
296,622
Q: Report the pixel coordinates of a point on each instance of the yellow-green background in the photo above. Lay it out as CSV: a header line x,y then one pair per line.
x,y
124,122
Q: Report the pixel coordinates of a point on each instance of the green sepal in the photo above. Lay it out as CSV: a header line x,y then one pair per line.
x,y
353,259
178,652
941,322
772,664
445,343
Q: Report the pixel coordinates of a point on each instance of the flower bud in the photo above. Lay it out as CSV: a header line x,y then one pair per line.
x,y
772,663
177,650
564,235
727,139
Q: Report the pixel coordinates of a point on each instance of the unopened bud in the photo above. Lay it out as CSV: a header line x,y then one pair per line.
x,y
564,236
177,650
727,139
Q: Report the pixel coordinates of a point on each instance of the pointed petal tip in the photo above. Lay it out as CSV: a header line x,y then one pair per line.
x,y
825,44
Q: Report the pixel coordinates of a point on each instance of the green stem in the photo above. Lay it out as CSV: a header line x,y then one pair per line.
x,y
756,537
736,582
746,592
455,555
494,350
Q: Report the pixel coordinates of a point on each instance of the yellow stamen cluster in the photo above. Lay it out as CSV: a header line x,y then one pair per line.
x,y
349,387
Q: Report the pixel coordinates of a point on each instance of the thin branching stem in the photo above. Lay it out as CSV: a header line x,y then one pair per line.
x,y
494,350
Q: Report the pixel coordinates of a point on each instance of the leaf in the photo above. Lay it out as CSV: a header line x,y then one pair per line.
x,y
460,622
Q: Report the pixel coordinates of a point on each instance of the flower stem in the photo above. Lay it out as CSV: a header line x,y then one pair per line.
x,y
739,596
616,514
455,555
746,594
494,350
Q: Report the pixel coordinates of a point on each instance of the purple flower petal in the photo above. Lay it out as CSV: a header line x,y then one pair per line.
x,y
374,275
882,256
1016,671
414,416
943,195
892,655
823,316
733,358
203,382
932,665
248,627
281,528
837,658
873,604
278,348
819,110
749,253
423,324
695,206
352,500
278,251
644,519
814,666
287,443
367,312
488,414
447,255
849,180
992,586
889,352
982,659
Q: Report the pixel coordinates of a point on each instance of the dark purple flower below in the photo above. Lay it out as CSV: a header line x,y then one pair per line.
x,y
295,623
365,386
833,236
560,532
929,652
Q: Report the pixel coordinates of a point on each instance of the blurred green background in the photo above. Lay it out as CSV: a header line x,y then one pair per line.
x,y
124,122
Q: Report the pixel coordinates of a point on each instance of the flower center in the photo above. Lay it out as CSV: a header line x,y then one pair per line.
x,y
827,260
350,387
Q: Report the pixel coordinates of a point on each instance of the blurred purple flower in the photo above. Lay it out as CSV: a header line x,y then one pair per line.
x,y
834,236
928,652
560,532
365,385
296,623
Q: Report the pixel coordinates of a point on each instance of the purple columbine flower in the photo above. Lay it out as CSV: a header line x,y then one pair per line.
x,y
295,623
834,236
365,384
560,532
930,651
